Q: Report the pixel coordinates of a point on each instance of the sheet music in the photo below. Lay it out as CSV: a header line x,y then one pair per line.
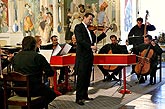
x,y
47,54
56,50
65,49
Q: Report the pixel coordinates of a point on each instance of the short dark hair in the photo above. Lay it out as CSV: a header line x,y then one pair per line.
x,y
140,19
28,43
149,37
113,36
88,14
81,5
54,36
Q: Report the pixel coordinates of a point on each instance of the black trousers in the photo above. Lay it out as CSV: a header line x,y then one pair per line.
x,y
4,62
152,72
83,72
115,72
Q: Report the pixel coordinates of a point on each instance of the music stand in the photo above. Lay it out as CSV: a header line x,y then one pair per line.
x,y
135,40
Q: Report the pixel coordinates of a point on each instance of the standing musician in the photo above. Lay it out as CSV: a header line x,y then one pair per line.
x,y
114,48
84,56
138,30
148,45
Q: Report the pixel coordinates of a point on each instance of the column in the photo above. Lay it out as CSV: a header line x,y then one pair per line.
x,y
20,11
10,14
55,17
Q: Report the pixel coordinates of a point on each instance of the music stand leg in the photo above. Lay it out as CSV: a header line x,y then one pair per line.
x,y
125,90
69,88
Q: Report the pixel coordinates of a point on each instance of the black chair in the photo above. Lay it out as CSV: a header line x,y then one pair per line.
x,y
159,67
28,101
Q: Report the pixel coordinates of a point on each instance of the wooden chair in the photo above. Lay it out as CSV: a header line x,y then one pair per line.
x,y
14,99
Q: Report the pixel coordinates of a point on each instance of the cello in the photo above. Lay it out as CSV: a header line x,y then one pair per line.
x,y
110,67
143,65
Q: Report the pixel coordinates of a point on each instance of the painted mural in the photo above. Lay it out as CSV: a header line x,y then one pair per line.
x,y
3,16
128,15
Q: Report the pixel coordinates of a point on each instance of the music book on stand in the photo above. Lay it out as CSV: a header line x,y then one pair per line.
x,y
135,40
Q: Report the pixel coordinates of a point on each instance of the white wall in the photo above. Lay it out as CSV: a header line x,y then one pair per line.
x,y
156,14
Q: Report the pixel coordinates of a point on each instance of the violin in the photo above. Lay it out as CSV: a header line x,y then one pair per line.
x,y
99,28
143,65
93,28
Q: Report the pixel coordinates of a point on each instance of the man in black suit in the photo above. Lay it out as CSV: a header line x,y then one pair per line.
x,y
84,56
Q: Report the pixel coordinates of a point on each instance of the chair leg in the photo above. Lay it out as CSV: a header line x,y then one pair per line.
x,y
155,79
146,77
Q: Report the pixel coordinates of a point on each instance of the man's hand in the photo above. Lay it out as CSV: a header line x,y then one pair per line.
x,y
106,29
94,49
153,43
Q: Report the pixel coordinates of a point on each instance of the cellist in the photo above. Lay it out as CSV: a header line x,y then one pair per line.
x,y
111,48
149,43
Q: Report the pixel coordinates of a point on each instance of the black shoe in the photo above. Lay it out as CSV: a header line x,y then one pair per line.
x,y
132,72
115,79
141,81
80,102
107,78
151,81
88,98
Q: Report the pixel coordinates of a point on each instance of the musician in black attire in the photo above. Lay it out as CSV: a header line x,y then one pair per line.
x,y
4,63
28,62
116,49
73,43
138,32
53,46
154,59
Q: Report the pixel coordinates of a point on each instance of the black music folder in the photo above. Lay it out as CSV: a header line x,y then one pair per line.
x,y
136,40
124,49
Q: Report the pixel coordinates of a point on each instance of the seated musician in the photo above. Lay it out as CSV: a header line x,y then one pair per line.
x,y
148,45
114,48
5,59
54,44
28,61
38,42
73,43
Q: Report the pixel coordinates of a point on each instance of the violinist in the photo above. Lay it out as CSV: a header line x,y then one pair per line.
x,y
115,48
149,43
